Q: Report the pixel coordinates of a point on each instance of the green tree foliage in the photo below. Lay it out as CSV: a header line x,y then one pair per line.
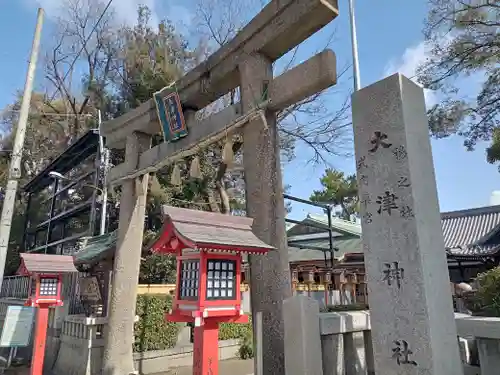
x,y
340,191
485,300
464,36
122,67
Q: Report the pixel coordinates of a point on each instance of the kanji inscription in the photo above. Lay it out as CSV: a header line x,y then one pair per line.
x,y
400,153
365,200
210,362
406,212
379,139
393,273
402,352
387,203
197,362
361,163
403,182
368,218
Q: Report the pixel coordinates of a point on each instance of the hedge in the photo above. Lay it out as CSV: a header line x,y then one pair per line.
x,y
153,332
228,331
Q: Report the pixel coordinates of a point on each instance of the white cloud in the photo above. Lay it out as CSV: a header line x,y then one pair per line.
x,y
125,10
407,65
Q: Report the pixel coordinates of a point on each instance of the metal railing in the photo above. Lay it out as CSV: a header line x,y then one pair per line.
x,y
15,287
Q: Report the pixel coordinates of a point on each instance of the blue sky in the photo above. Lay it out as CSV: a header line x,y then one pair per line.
x,y
389,38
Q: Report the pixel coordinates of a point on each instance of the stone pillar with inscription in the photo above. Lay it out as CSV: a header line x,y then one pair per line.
x,y
413,327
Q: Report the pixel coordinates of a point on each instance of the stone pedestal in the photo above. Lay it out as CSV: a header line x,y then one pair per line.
x,y
413,329
303,341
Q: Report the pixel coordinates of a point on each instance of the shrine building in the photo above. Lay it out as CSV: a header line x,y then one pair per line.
x,y
472,245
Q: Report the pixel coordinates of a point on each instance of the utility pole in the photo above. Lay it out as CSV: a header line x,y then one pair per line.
x,y
354,41
17,152
104,154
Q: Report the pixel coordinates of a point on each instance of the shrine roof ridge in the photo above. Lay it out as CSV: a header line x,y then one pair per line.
x,y
46,263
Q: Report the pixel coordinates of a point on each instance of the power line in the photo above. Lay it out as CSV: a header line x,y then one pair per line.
x,y
84,45
49,114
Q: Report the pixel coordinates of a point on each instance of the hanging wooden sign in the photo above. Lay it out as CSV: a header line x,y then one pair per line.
x,y
89,290
170,115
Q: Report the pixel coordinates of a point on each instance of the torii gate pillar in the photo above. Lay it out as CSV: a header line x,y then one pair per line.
x,y
269,275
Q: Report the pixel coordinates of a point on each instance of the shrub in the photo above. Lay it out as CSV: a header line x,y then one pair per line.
x,y
157,269
485,301
246,350
340,308
243,332
152,331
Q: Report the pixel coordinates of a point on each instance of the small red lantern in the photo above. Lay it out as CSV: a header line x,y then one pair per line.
x,y
209,248
46,275
45,289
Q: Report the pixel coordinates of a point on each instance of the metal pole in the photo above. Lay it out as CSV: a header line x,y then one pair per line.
x,y
51,214
105,163
17,153
354,40
330,232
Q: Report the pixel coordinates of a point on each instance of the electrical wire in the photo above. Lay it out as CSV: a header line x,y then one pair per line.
x,y
48,114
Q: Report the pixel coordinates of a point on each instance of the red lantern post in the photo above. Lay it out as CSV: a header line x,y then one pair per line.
x,y
45,291
209,248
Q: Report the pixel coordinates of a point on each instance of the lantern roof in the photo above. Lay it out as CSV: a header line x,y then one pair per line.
x,y
45,263
184,228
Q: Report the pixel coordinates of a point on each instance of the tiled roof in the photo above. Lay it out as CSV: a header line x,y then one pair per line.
x,y
344,245
467,232
94,249
337,224
44,263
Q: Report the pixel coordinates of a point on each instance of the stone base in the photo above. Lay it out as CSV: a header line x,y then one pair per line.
x,y
82,348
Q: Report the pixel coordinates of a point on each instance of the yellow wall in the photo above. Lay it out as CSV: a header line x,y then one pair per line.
x,y
166,288
155,289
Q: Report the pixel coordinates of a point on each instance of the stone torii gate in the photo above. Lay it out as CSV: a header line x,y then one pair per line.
x,y
246,61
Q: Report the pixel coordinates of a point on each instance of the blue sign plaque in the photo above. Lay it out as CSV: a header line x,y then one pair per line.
x,y
169,110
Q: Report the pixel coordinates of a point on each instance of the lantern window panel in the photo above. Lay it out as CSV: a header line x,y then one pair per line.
x,y
189,279
48,287
221,279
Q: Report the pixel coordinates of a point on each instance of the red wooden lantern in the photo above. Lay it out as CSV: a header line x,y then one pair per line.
x,y
45,289
46,282
209,248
